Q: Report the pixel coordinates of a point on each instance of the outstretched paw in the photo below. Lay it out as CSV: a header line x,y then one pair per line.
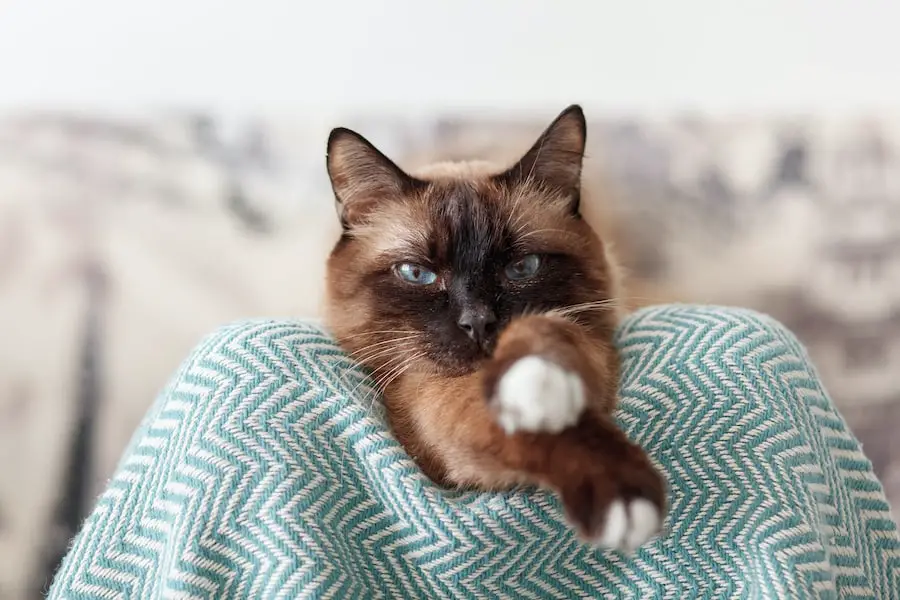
x,y
537,395
621,508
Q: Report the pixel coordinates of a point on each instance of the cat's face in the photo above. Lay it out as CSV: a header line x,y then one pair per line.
x,y
429,269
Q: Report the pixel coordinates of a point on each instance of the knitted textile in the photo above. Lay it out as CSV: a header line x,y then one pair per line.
x,y
266,470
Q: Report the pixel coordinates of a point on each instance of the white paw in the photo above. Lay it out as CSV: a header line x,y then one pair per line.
x,y
537,395
629,524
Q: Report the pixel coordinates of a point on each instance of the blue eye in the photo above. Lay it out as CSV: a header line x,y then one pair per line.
x,y
524,267
415,274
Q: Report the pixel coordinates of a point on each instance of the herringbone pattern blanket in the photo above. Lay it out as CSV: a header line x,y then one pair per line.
x,y
265,470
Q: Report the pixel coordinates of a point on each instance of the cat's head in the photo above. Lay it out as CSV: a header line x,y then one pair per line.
x,y
430,266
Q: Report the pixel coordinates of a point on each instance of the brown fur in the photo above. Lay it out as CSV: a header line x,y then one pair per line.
x,y
465,220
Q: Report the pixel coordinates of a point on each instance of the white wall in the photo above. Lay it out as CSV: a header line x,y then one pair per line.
x,y
289,55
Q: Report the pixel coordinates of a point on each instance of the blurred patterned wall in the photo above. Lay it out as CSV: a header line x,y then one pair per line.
x,y
124,241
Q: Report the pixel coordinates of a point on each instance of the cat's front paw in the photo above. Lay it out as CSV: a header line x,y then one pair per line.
x,y
622,507
537,395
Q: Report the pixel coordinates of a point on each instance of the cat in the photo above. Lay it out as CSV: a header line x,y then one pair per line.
x,y
485,306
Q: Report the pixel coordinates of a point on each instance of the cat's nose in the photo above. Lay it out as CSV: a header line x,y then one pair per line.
x,y
477,322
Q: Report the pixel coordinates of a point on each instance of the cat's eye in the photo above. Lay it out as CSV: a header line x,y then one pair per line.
x,y
523,268
413,273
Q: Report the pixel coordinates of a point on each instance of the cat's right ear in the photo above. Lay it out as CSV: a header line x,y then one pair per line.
x,y
361,176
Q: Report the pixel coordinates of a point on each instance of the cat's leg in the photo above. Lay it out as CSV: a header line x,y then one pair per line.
x,y
539,413
611,492
552,386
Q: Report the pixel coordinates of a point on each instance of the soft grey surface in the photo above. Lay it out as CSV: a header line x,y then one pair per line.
x,y
123,242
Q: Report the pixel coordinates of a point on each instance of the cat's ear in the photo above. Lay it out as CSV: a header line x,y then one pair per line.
x,y
361,176
556,157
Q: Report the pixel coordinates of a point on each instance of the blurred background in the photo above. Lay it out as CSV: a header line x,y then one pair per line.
x,y
162,173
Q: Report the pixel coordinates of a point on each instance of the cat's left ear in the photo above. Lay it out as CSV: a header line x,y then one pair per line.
x,y
556,158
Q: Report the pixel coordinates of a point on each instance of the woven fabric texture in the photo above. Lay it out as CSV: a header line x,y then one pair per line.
x,y
265,470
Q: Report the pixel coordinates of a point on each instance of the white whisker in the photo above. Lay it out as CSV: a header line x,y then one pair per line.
x,y
359,354
372,356
382,383
373,333
539,231
584,307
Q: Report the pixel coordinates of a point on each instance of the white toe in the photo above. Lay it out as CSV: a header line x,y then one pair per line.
x,y
645,523
615,525
629,527
538,395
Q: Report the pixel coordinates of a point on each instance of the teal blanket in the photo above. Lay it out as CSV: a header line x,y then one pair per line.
x,y
265,470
